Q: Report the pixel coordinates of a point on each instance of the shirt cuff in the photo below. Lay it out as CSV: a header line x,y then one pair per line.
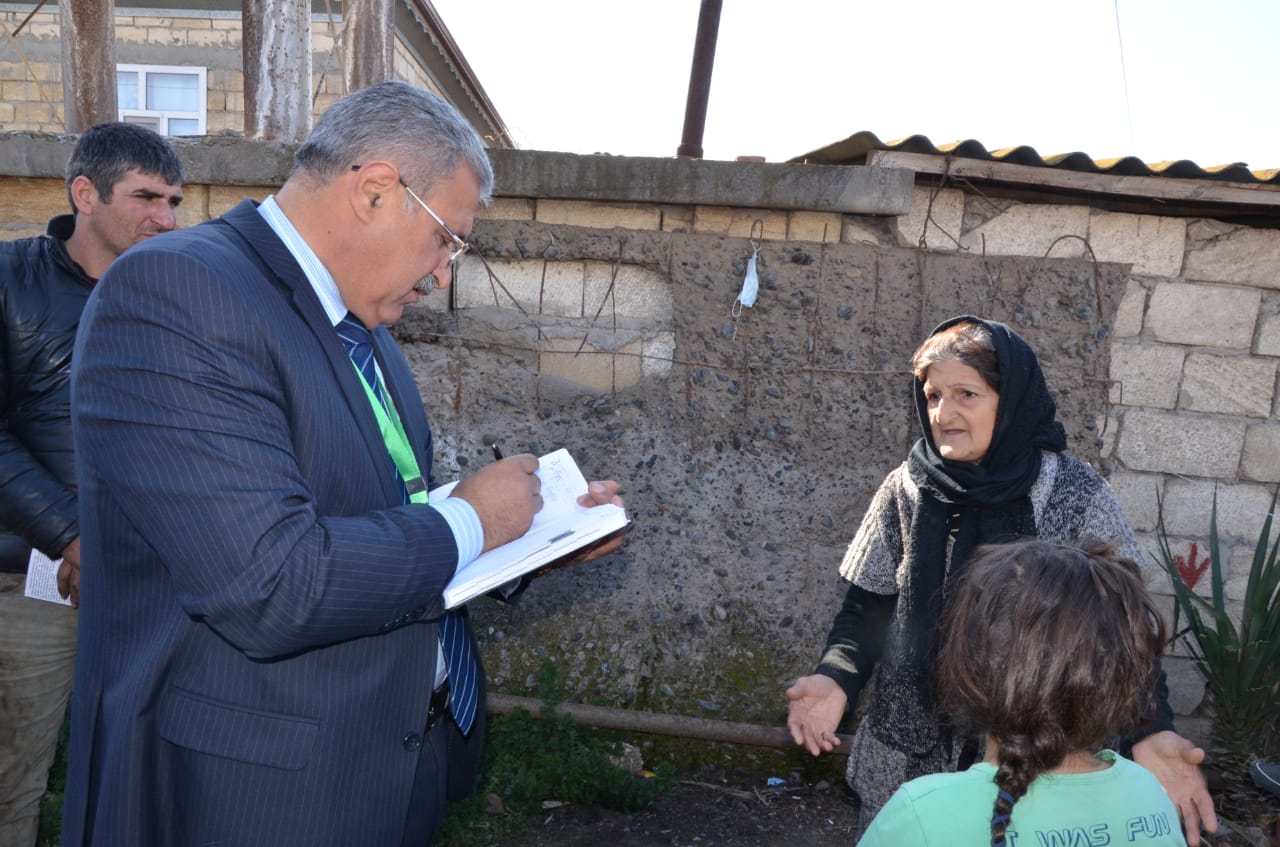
x,y
468,532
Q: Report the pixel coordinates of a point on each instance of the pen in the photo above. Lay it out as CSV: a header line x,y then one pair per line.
x,y
497,454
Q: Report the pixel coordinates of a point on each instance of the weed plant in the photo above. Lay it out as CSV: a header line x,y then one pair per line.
x,y
529,760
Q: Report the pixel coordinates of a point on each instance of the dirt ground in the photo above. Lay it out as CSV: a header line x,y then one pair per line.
x,y
706,810
739,809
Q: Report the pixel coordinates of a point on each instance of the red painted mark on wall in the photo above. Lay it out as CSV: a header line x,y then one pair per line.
x,y
1189,569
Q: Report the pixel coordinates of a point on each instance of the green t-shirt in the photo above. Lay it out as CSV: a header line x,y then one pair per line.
x,y
1121,805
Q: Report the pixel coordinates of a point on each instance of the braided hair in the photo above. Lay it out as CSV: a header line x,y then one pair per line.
x,y
1049,649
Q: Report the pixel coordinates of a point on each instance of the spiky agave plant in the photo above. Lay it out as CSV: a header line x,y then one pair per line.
x,y
1240,665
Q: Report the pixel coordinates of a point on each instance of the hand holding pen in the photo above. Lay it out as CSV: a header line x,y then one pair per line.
x,y
505,495
599,492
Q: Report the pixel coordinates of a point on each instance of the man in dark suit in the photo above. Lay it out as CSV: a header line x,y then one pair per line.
x,y
124,184
264,653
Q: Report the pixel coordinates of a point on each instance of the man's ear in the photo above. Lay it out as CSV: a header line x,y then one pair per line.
x,y
84,196
370,187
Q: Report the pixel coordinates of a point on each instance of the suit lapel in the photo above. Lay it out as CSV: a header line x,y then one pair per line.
x,y
280,264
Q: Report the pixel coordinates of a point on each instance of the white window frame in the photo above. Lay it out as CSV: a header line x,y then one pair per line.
x,y
159,119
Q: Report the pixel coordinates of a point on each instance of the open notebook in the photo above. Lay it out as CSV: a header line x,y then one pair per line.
x,y
560,528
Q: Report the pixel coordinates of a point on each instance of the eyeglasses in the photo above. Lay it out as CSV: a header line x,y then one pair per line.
x,y
460,246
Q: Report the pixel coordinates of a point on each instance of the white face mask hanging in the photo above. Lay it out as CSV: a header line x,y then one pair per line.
x,y
750,284
750,280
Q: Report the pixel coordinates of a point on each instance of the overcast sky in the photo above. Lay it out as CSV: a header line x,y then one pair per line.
x,y
790,76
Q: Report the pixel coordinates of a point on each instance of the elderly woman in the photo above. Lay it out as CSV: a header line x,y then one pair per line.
x,y
989,468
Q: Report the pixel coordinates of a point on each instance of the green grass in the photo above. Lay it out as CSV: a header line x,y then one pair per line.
x,y
529,759
50,832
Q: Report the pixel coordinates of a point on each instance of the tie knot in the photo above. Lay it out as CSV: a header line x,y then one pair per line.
x,y
353,333
359,343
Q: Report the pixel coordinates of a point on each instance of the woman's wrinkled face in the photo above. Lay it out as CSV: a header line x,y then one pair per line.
x,y
962,410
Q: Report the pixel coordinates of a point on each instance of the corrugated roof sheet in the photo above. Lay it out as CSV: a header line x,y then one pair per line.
x,y
855,148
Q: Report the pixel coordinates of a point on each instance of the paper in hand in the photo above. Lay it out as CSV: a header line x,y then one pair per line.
x,y
42,579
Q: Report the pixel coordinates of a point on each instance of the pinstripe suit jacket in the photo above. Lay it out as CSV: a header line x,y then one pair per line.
x,y
257,636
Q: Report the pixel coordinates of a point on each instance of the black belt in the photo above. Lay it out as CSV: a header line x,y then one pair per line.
x,y
439,705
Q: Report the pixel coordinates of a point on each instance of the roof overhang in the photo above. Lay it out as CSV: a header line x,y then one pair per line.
x,y
1175,189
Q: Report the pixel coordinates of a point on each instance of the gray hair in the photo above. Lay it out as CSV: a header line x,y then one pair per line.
x,y
416,130
969,343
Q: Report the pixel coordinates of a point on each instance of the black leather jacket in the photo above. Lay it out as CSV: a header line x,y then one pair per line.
x,y
42,293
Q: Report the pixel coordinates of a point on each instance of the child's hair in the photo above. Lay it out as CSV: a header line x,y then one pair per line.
x,y
1050,649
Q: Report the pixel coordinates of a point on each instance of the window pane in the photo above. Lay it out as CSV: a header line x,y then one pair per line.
x,y
127,89
143,120
173,92
184,126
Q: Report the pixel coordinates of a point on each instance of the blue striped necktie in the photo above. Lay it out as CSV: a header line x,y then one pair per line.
x,y
359,343
461,664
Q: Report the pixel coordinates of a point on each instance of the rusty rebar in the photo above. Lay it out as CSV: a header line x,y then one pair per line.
x,y
681,726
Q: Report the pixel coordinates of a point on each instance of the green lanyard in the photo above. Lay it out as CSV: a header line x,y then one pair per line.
x,y
397,441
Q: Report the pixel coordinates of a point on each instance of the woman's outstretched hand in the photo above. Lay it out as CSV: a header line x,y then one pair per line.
x,y
1175,761
816,708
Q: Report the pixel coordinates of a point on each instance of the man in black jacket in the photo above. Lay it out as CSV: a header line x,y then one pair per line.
x,y
124,183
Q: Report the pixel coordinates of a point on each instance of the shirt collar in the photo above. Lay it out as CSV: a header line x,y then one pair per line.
x,y
322,282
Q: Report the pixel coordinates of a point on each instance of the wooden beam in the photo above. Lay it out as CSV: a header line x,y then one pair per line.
x,y
1260,198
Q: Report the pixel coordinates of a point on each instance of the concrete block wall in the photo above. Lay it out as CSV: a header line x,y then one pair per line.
x,y
1194,382
1193,374
26,205
30,74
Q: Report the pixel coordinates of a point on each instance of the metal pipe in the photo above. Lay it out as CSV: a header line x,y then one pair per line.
x,y
703,729
704,55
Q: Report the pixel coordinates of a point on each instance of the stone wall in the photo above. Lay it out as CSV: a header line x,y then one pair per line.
x,y
748,446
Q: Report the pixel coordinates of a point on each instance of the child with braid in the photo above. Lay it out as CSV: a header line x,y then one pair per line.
x,y
1047,651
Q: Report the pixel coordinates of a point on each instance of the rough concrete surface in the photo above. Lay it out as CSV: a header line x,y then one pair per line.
x,y
747,470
